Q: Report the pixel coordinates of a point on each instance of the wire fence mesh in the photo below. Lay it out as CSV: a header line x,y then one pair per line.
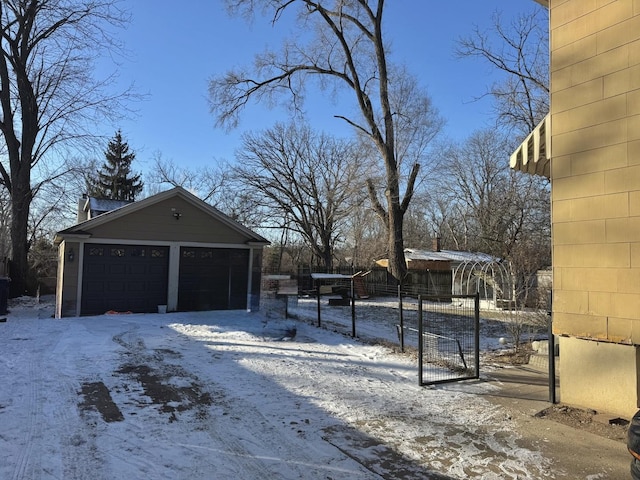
x,y
443,329
448,339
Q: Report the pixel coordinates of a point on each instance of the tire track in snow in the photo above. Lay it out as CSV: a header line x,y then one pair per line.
x,y
80,456
282,446
50,402
27,461
247,445
262,447
238,461
187,426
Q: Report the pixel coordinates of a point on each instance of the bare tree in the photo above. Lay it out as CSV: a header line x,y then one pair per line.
x,y
520,50
304,182
205,182
213,184
365,240
48,99
345,49
491,208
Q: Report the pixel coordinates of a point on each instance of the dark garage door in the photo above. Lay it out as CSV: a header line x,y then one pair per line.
x,y
213,279
124,278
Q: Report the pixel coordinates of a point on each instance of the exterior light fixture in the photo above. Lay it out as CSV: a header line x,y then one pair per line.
x,y
176,215
71,255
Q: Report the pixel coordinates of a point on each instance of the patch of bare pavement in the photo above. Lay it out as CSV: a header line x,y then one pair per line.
x,y
152,382
582,443
96,396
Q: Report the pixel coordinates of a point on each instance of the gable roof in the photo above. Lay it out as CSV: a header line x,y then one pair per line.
x,y
82,228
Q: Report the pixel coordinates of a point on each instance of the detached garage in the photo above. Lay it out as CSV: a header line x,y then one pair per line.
x,y
171,249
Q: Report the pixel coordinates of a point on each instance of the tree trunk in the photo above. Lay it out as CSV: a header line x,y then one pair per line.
x,y
20,203
397,263
327,258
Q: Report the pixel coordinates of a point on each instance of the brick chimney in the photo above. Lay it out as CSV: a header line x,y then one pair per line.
x,y
82,209
435,245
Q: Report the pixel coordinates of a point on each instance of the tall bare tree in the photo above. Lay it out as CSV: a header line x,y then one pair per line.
x,y
304,182
205,182
48,99
344,49
489,207
520,50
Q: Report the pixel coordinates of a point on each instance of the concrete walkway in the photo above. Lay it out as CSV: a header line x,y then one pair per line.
x,y
576,452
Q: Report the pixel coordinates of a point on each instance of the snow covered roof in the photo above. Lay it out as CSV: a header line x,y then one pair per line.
x,y
91,207
103,205
329,276
448,256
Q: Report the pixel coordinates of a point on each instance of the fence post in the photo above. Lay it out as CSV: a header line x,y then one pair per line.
x,y
420,340
353,310
318,292
552,363
476,339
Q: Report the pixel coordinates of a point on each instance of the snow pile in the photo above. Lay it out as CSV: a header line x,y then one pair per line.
x,y
233,395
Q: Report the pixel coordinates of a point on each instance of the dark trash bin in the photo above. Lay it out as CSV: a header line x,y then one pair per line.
x,y
4,294
633,444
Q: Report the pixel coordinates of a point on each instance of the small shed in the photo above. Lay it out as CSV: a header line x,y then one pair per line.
x,y
170,250
440,272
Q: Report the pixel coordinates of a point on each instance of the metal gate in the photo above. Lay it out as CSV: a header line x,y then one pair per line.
x,y
448,338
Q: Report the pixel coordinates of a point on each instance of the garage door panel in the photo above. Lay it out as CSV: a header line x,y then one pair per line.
x,y
93,269
117,269
136,304
156,269
239,289
124,278
212,279
137,269
137,286
93,286
113,287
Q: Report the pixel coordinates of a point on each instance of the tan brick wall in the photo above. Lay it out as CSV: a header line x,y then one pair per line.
x,y
595,175
595,169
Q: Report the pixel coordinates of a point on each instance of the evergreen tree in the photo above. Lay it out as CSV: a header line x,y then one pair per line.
x,y
114,179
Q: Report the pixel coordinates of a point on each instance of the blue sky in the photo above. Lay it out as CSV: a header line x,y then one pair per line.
x,y
174,51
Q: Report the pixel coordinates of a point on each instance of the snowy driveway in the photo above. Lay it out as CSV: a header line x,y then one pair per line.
x,y
230,395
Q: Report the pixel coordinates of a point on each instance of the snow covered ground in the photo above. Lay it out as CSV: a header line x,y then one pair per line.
x,y
234,395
